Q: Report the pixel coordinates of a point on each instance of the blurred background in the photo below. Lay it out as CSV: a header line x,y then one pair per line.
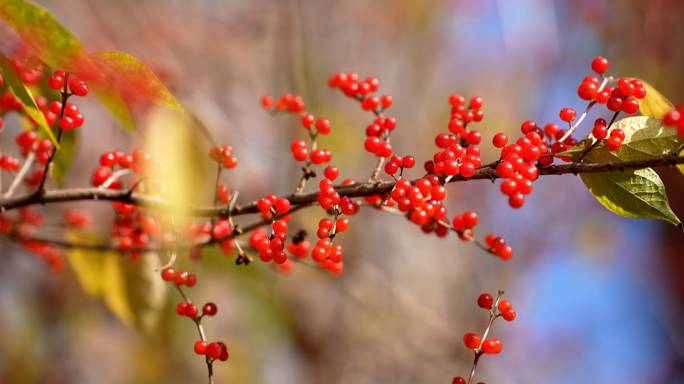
x,y
599,298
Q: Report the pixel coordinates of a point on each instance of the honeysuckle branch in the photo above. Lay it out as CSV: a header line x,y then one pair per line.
x,y
303,199
200,329
21,174
478,351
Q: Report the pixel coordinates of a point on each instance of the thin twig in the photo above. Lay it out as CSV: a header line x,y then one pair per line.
x,y
20,175
114,177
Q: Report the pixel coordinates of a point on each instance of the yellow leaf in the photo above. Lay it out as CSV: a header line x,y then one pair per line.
x,y
654,104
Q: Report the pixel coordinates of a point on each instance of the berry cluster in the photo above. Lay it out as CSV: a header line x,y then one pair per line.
x,y
491,346
213,351
397,163
459,154
378,132
286,103
223,156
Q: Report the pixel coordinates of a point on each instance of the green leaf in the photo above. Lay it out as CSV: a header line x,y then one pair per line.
x,y
23,94
654,104
645,138
139,76
638,194
46,37
132,290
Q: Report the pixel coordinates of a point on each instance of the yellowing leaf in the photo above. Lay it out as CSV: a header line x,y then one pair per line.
x,y
638,194
139,76
87,264
46,37
654,104
132,290
23,94
645,138
183,150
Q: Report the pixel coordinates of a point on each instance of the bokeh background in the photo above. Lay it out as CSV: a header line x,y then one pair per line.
x,y
599,297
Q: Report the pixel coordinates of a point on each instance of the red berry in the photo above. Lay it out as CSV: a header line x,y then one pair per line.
x,y
458,380
568,114
180,308
467,170
56,82
587,90
600,65
209,309
78,87
386,101
191,310
500,140
283,205
528,126
267,102
614,104
66,123
600,132
489,347
470,219
213,351
516,200
331,172
508,314
626,87
503,305
26,139
201,347
613,143
323,126
630,106
618,133
308,120
485,300
471,340
168,274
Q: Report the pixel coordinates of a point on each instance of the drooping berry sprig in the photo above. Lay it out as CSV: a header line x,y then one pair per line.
x,y
492,346
211,350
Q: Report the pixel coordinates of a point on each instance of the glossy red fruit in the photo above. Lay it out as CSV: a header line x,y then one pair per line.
x,y
587,90
201,347
600,65
191,310
568,114
209,309
508,314
485,300
500,140
471,340
168,274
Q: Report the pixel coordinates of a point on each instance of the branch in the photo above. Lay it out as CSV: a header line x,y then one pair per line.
x,y
305,199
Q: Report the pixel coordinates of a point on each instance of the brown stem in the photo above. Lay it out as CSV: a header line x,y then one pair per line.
x,y
305,199
65,97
